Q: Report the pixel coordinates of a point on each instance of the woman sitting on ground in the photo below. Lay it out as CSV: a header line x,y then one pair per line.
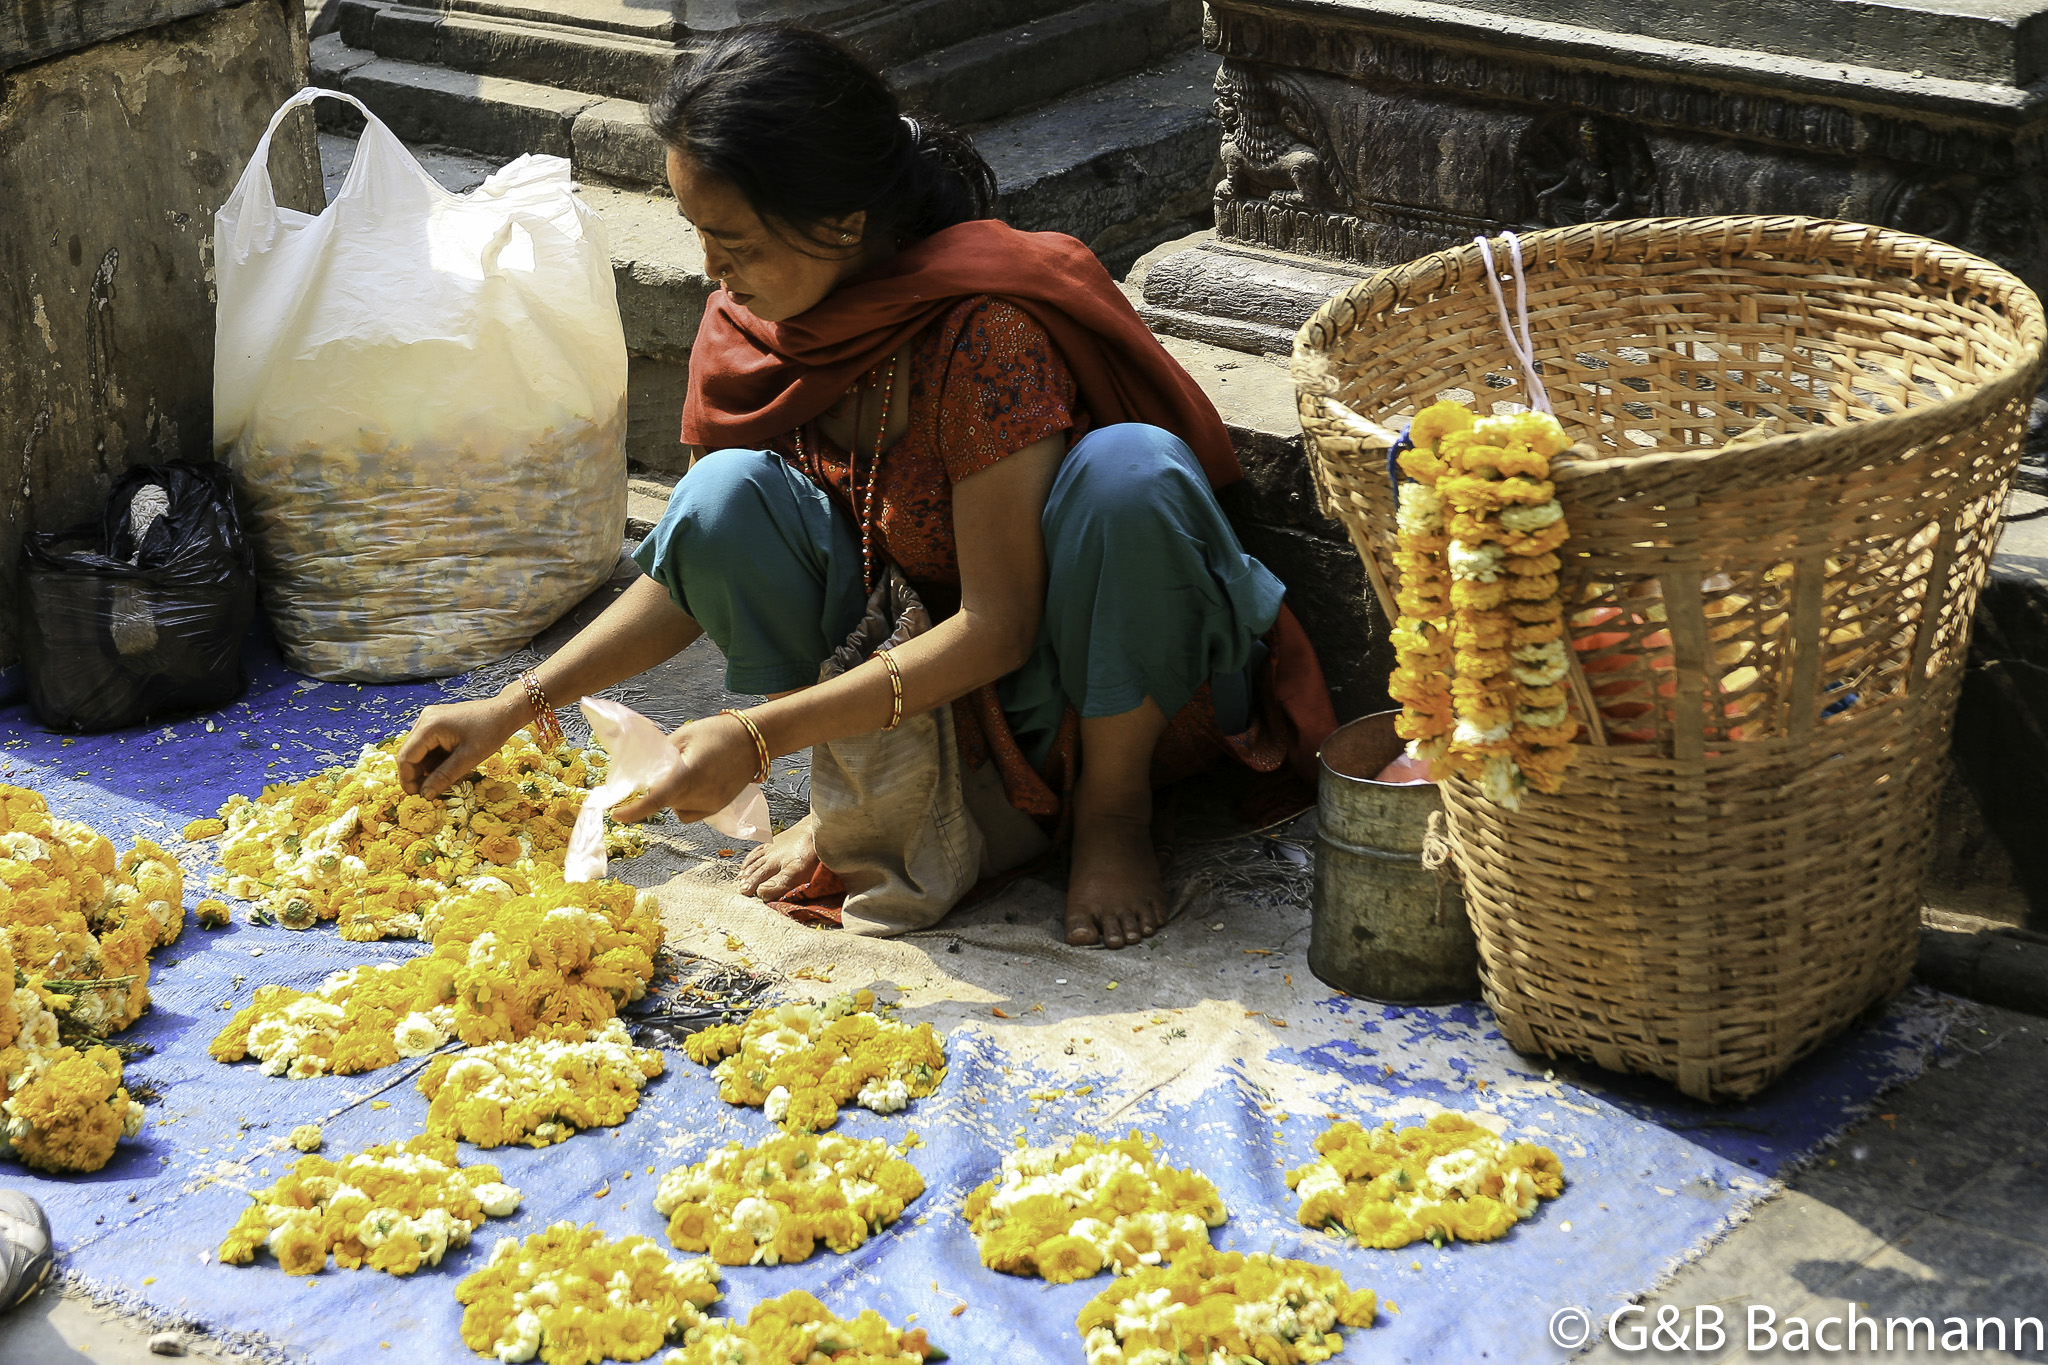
x,y
905,404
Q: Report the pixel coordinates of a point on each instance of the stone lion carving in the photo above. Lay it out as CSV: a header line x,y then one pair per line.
x,y
1580,169
1274,142
1999,217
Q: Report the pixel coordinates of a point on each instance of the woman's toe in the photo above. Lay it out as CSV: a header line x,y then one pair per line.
x,y
1081,930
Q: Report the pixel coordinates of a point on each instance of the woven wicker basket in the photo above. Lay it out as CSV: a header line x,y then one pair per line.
x,y
1770,637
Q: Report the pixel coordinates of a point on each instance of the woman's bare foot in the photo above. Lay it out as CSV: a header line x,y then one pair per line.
x,y
784,863
1113,891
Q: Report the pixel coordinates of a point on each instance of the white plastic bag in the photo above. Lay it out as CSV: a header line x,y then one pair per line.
x,y
638,753
423,397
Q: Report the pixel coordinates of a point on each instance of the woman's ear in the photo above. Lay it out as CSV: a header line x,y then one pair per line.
x,y
849,231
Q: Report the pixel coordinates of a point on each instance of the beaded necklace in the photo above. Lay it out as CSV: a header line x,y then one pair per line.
x,y
863,500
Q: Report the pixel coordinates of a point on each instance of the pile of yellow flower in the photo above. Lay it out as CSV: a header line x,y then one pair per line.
x,y
1223,1306
538,1090
1065,1212
800,1062
76,930
798,1330
80,922
573,1296
1445,1180
516,955
772,1204
1479,599
348,844
392,1207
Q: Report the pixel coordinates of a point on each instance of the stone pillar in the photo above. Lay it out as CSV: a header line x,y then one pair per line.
x,y
123,125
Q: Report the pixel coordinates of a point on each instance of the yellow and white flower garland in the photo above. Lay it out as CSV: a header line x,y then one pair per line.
x,y
1065,1212
772,1204
1446,1180
77,927
573,1296
538,1090
800,1062
1482,520
516,954
798,1330
393,1207
1221,1306
349,844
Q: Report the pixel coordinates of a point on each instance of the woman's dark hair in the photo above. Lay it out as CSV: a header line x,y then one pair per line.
x,y
807,131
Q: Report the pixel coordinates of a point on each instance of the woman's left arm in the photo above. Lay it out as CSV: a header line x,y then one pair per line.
x,y
996,527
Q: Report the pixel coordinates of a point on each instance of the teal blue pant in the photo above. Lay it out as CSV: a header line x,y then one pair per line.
x,y
1148,592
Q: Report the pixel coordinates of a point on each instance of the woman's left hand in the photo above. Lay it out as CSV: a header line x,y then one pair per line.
x,y
713,760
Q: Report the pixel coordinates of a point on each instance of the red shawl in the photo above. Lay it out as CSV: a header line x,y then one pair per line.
x,y
751,381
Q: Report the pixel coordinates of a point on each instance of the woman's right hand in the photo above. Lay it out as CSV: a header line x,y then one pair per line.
x,y
447,743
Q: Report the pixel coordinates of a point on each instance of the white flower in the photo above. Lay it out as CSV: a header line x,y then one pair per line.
x,y
776,1106
1475,563
416,1036
757,1218
1468,733
1540,665
884,1096
1523,520
1545,719
1462,1170
498,1200
1421,512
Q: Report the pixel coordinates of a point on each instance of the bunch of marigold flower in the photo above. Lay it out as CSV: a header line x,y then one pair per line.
x,y
1065,1212
1223,1306
516,955
79,920
349,844
796,1329
77,926
393,1207
1483,518
772,1204
538,1090
573,1296
1446,1180
800,1062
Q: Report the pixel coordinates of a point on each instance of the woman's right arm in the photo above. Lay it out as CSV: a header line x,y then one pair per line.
x,y
643,628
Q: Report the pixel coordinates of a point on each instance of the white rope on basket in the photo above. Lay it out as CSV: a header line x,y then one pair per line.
x,y
1523,348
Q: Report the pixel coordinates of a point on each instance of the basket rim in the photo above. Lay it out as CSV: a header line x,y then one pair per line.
x,y
1744,234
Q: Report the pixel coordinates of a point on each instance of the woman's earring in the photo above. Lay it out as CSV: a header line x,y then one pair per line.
x,y
845,236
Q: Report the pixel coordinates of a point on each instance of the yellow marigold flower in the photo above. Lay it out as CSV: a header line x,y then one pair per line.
x,y
605,1298
1223,1306
212,914
1065,1258
203,829
802,1061
732,1247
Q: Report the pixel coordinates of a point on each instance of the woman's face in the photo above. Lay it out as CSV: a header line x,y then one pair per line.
x,y
773,275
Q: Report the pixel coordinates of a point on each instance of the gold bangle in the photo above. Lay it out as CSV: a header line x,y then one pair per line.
x,y
895,689
760,744
546,728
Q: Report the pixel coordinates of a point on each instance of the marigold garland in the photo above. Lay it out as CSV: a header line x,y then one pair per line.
x,y
77,926
516,955
1480,649
1446,1180
573,1296
772,1204
1223,1306
797,1330
800,1062
1065,1212
393,1207
349,844
538,1090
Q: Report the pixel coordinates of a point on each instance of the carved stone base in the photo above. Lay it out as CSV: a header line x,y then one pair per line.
x,y
1362,133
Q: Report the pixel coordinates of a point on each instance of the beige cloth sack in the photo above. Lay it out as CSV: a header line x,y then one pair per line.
x,y
891,811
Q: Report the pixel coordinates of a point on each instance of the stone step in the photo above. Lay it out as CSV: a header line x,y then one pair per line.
x,y
570,57
990,76
976,75
1119,166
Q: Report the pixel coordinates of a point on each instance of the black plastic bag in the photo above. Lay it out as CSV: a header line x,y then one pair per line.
x,y
144,613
